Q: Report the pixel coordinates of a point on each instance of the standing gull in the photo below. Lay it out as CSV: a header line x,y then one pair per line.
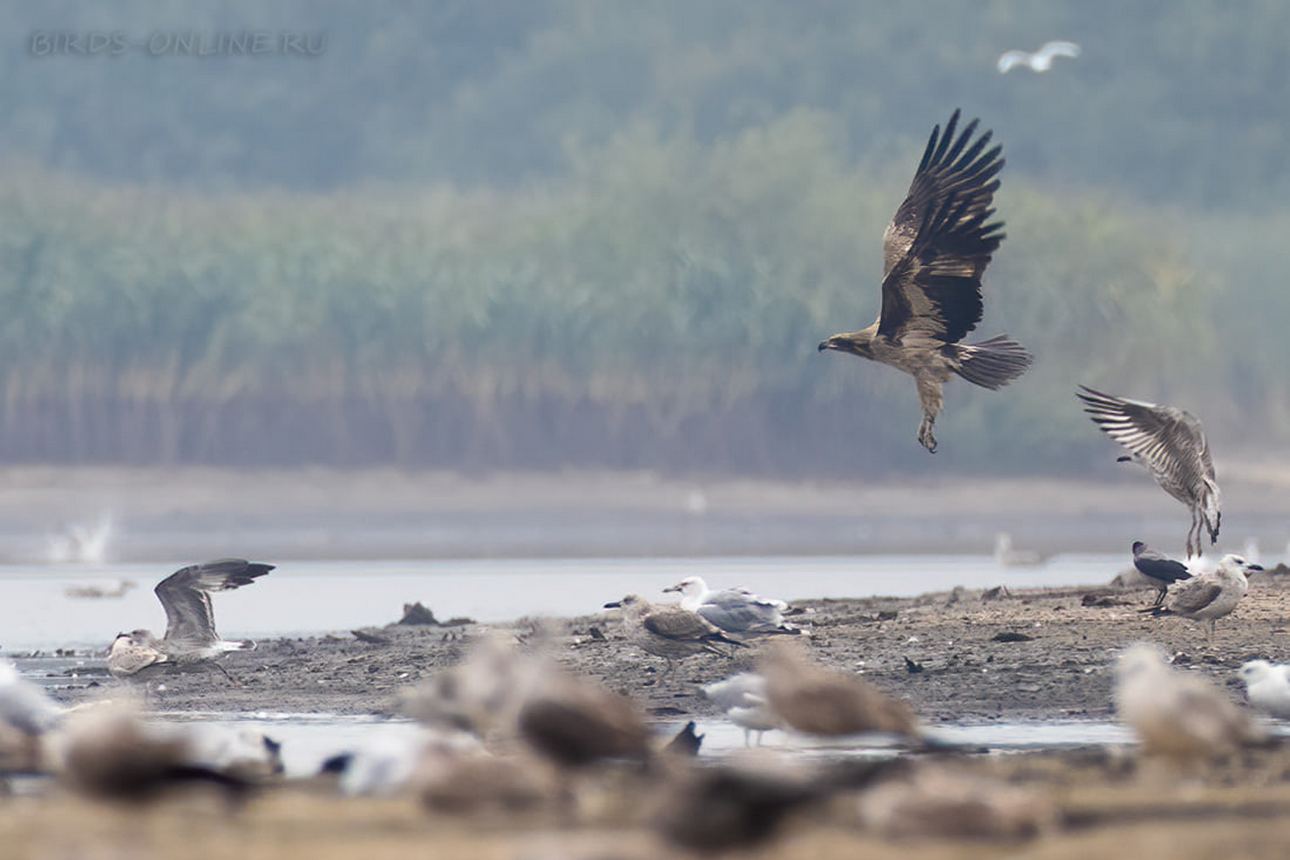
x,y
26,714
935,251
1209,596
190,619
1039,61
1171,445
734,610
743,698
669,632
1175,714
1159,568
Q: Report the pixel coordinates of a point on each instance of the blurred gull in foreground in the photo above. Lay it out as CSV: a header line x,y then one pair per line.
x,y
743,698
1267,686
1178,715
190,619
668,631
734,610
817,701
1209,596
26,715
1039,61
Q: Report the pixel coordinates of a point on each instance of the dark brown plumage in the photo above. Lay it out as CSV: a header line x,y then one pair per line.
x,y
935,250
575,723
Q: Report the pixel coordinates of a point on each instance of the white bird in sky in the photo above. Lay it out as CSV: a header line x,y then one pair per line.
x,y
1039,61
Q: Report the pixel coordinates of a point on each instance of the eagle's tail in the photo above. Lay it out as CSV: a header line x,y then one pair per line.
x,y
992,363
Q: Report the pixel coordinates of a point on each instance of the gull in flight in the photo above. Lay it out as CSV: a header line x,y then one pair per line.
x,y
1159,568
935,252
734,610
1171,445
1209,596
1039,61
190,619
668,631
1267,686
1178,715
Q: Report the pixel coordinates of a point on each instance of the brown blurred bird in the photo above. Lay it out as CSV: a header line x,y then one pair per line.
x,y
818,701
575,723
935,251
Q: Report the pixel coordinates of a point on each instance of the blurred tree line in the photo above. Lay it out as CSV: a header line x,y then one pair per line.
x,y
553,233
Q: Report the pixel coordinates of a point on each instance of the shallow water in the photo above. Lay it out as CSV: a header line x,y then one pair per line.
x,y
316,596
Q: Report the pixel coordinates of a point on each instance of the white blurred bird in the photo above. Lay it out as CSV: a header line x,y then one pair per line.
x,y
1039,61
1267,686
743,698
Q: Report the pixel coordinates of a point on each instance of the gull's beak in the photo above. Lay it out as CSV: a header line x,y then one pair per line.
x,y
1254,567
671,588
617,604
1124,459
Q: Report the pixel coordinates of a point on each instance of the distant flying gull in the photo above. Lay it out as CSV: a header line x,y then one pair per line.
x,y
1209,596
734,610
935,252
743,699
1039,61
1159,568
1267,686
190,629
1178,715
1171,445
668,631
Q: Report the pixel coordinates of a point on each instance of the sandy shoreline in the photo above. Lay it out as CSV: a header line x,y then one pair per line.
x,y
1035,654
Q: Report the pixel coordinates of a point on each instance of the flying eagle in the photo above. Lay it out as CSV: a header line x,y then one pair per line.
x,y
1171,445
934,252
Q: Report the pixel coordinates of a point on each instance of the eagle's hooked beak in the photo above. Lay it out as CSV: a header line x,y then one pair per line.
x,y
825,344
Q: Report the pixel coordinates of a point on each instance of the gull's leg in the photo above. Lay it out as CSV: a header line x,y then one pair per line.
x,y
1160,598
231,679
929,395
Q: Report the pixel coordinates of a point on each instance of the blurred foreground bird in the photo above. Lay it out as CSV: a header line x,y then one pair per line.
x,y
1178,715
111,753
190,619
574,722
1161,570
1267,686
935,800
817,701
935,251
1209,596
26,715
1171,445
668,631
734,610
686,742
1039,61
743,699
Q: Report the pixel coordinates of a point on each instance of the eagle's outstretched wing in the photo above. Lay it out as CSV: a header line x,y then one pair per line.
x,y
941,239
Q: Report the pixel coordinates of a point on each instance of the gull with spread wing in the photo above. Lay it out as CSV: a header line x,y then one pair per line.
x,y
190,619
1171,445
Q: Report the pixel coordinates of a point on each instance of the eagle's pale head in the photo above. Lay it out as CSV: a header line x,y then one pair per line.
x,y
854,342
